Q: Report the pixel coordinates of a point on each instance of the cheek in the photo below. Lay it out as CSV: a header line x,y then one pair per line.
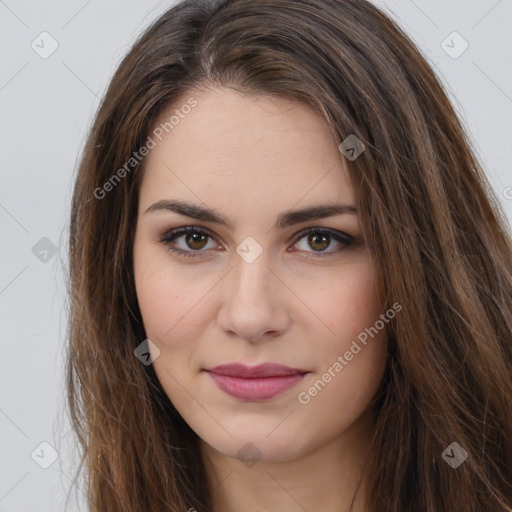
x,y
347,304
169,302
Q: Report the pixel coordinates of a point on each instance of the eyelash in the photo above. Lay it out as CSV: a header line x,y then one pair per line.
x,y
173,234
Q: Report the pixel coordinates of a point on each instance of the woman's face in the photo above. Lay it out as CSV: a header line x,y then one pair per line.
x,y
250,286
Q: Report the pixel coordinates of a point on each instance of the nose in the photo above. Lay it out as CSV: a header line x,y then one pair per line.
x,y
255,299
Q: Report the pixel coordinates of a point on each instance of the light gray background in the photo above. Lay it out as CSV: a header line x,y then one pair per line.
x,y
46,107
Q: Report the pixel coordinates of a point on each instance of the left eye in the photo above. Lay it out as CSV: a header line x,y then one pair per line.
x,y
320,240
195,239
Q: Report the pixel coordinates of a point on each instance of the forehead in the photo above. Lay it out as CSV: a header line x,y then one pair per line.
x,y
254,151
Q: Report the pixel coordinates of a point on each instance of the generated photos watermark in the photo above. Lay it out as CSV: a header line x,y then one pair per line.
x,y
304,397
137,156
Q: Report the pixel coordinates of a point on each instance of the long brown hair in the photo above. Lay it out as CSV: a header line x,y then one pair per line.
x,y
439,242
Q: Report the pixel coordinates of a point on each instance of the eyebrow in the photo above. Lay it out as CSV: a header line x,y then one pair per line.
x,y
285,219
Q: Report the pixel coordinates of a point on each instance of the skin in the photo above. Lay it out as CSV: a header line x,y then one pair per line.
x,y
250,159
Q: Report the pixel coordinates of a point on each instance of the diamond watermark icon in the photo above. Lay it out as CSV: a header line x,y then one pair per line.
x,y
249,249
44,250
454,455
44,45
351,147
44,455
454,45
249,454
147,352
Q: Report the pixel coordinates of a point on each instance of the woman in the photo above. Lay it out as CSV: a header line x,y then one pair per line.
x,y
290,281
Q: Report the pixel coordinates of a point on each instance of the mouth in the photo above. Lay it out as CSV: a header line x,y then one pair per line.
x,y
255,383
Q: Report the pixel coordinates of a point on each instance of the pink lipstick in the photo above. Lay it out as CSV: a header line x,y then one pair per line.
x,y
255,383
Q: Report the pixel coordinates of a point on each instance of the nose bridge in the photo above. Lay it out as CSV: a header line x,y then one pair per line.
x,y
251,277
252,302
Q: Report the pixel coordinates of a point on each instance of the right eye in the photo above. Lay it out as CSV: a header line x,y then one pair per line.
x,y
194,240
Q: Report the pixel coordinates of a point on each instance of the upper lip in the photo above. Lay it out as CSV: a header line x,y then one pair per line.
x,y
261,370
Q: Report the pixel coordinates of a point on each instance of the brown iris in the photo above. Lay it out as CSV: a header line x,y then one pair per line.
x,y
196,238
319,241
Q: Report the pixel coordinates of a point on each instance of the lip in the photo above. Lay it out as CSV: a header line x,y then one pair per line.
x,y
255,383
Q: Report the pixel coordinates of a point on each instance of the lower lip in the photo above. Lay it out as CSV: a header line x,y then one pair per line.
x,y
256,389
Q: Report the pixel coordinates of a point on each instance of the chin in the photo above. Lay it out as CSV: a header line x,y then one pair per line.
x,y
252,442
